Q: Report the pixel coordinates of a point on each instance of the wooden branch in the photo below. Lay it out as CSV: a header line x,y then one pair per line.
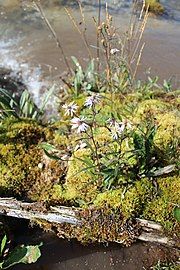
x,y
14,208
149,224
151,231
152,237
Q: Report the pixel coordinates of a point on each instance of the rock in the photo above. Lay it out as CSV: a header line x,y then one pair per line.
x,y
11,82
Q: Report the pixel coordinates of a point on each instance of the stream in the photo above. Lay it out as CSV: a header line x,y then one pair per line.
x,y
29,50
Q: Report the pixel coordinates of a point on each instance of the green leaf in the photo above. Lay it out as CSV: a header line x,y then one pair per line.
x,y
164,170
47,146
75,61
16,256
3,243
32,255
51,156
46,99
22,254
176,213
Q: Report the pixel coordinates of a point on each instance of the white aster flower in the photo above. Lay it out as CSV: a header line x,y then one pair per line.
x,y
112,122
80,145
79,124
122,127
65,157
114,133
70,109
117,128
92,100
114,51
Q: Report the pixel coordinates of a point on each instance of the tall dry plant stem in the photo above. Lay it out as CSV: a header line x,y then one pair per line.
x,y
58,43
138,62
98,36
82,33
134,37
108,46
141,32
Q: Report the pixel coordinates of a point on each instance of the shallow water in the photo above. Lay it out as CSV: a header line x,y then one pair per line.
x,y
27,46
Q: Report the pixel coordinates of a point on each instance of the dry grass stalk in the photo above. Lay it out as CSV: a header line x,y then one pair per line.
x,y
106,34
133,39
58,43
98,36
82,33
141,30
138,61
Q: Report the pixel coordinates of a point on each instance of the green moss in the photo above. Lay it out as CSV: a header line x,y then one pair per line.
x,y
130,200
79,180
168,130
102,136
18,168
24,169
127,149
150,108
60,140
112,198
57,193
25,132
102,224
160,209
48,186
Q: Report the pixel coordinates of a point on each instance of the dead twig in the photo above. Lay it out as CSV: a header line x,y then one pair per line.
x,y
58,43
82,33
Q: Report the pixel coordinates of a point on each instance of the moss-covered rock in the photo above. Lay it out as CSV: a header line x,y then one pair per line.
x,y
18,168
80,181
150,108
160,209
27,132
24,169
168,129
131,200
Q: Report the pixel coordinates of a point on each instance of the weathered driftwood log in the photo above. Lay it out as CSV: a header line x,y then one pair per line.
x,y
151,231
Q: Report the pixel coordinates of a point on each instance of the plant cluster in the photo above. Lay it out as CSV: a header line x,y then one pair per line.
x,y
116,142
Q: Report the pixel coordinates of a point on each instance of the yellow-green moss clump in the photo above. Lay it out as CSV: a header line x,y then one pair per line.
x,y
25,132
160,209
155,6
24,170
131,200
168,129
166,119
150,108
79,180
18,168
